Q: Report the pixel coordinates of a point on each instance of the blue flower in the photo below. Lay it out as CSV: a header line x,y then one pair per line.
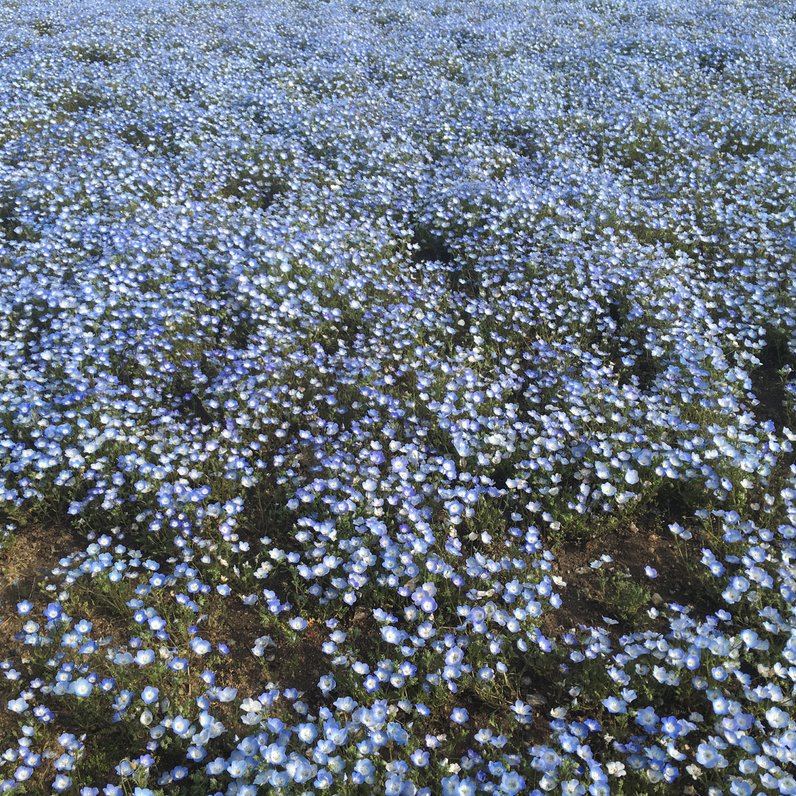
x,y
200,646
777,718
81,687
615,705
708,756
460,716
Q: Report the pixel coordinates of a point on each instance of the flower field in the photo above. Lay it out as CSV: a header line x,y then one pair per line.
x,y
398,397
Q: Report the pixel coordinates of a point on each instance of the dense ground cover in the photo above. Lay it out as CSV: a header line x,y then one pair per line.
x,y
397,397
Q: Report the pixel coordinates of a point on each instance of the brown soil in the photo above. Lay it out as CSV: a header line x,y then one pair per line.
x,y
301,663
239,626
27,559
632,549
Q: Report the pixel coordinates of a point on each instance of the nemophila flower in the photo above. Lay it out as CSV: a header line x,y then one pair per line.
x,y
615,705
24,607
200,646
486,673
420,758
392,635
180,725
145,657
227,694
66,761
511,783
460,715
23,773
81,687
777,718
680,532
523,713
631,476
208,677
43,714
708,756
19,705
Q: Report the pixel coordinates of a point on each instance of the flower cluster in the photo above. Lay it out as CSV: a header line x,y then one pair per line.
x,y
331,333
